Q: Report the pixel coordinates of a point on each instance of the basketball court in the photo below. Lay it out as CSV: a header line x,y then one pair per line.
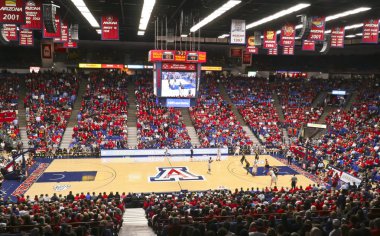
x,y
159,174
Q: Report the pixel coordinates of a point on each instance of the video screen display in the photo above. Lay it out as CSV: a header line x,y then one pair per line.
x,y
178,84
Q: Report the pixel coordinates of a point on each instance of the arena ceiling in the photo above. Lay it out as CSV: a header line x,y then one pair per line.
x,y
129,12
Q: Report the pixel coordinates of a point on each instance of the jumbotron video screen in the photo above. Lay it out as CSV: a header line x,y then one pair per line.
x,y
178,84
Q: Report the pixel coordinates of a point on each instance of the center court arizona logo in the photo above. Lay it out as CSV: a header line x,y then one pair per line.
x,y
174,174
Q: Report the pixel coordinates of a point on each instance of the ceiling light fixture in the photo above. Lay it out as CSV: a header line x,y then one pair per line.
x,y
350,36
145,15
279,14
347,13
183,35
218,12
82,8
223,36
99,31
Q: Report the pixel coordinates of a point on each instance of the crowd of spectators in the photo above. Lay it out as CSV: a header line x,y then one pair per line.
x,y
48,101
296,98
253,98
102,119
213,119
311,210
79,214
9,127
158,126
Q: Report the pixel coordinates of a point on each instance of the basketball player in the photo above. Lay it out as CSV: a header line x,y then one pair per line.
x,y
273,178
191,153
209,165
166,153
266,169
219,154
237,150
242,159
247,166
257,156
254,169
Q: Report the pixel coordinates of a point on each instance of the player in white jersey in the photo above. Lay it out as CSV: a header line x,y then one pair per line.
x,y
209,165
273,178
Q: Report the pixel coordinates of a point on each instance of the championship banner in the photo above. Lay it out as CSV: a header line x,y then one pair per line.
x,y
9,31
57,34
64,33
237,32
26,38
288,50
270,39
308,45
110,28
47,48
236,52
33,15
12,12
70,43
337,37
371,31
317,30
273,52
288,32
251,48
247,58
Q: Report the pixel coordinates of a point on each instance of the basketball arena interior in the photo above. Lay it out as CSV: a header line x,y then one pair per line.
x,y
189,117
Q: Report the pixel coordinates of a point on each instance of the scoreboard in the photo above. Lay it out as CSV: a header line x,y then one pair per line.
x,y
176,76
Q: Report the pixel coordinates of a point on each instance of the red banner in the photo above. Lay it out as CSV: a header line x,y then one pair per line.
x,y
64,34
236,52
247,58
252,50
317,30
288,50
33,15
288,32
47,52
70,43
308,45
57,33
371,31
337,37
12,12
273,51
110,28
174,66
270,39
10,32
26,38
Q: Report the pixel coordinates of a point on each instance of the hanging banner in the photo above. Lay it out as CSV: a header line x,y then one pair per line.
x,y
237,32
247,58
33,15
371,31
47,53
74,32
337,37
26,38
251,48
288,32
257,36
9,31
317,29
236,52
273,51
64,33
57,34
288,50
308,45
110,28
70,43
12,12
270,39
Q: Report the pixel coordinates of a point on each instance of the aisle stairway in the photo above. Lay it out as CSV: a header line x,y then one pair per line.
x,y
226,97
132,119
190,127
21,115
277,105
351,100
319,100
135,223
67,135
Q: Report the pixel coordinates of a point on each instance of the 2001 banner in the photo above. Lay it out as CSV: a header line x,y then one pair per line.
x,y
12,12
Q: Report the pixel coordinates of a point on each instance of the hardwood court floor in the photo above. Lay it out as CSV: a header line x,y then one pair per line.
x,y
129,175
